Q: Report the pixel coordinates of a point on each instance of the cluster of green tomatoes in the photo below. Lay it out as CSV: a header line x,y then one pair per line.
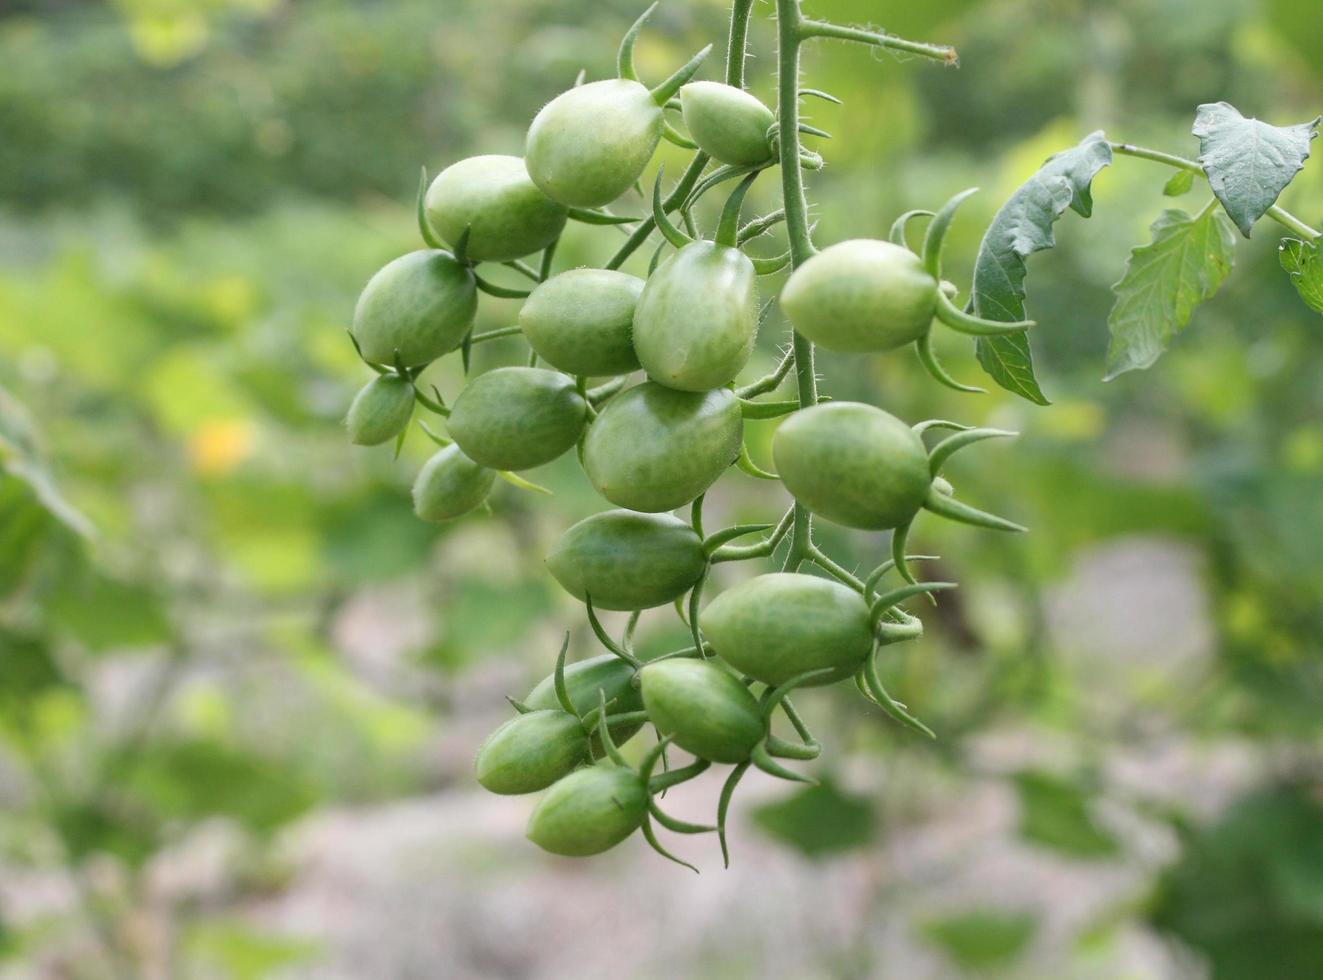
x,y
652,446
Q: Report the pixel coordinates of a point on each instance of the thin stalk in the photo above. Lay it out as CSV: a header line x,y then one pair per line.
x,y
817,28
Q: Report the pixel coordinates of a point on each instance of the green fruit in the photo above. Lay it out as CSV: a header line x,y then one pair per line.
x,y
493,198
628,561
380,411
710,713
514,418
450,485
860,296
728,123
653,449
589,145
853,464
530,752
582,321
589,811
777,626
585,681
420,305
697,318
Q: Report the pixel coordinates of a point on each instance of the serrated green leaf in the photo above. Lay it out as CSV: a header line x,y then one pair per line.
x,y
1180,183
1024,226
1304,267
1248,162
1164,281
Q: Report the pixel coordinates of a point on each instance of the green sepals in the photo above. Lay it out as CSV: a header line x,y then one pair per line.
x,y
671,233
675,137
596,216
901,224
952,444
764,761
728,227
625,54
663,92
819,94
757,411
883,604
558,682
424,227
947,506
928,358
500,292
770,266
604,637
935,237
747,465
967,323
887,703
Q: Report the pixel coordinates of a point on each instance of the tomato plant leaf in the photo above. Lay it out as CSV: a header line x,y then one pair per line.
x,y
1024,226
1304,267
1180,183
1164,281
1248,162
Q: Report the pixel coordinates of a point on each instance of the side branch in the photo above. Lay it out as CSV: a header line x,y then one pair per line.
x,y
938,52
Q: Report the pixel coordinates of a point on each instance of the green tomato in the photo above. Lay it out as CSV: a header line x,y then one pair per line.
x,y
582,321
861,296
515,418
653,449
450,485
583,681
421,305
697,318
628,561
494,198
853,464
777,626
727,123
710,713
589,811
589,145
380,410
530,752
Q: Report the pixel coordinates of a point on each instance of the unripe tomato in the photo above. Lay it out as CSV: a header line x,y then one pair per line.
x,y
421,305
530,752
777,626
450,485
584,680
697,318
588,145
628,561
710,713
861,295
727,123
494,198
514,418
582,321
380,410
589,811
653,449
853,464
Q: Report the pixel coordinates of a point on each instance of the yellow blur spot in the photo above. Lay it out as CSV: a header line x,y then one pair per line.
x,y
216,448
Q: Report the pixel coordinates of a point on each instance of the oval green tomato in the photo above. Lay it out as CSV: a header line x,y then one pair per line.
x,y
450,485
628,561
493,197
421,305
728,123
861,295
696,321
530,752
589,145
583,681
514,418
582,321
380,411
589,811
708,711
777,626
653,449
853,464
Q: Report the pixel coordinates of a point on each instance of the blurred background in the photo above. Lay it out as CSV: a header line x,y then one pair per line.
x,y
241,685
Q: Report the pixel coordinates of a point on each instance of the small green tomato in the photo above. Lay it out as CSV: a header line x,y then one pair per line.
x,y
582,321
589,811
493,197
728,123
584,680
515,418
853,464
380,410
418,306
531,751
450,485
708,711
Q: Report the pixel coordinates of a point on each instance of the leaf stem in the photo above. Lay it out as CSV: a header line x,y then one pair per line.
x,y
816,28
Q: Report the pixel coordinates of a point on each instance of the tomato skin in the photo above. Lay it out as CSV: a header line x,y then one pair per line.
x,y
514,418
530,752
708,711
380,410
421,304
583,680
582,321
589,811
853,464
495,199
587,146
697,319
779,625
728,123
628,561
861,296
653,449
450,485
